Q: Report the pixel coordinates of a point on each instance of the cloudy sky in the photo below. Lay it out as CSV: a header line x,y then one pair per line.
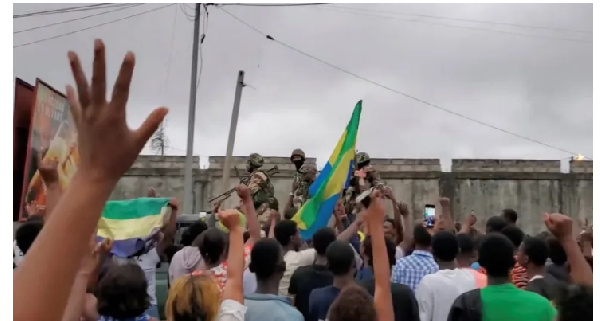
x,y
531,75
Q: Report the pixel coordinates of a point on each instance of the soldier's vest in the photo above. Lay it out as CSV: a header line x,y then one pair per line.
x,y
266,192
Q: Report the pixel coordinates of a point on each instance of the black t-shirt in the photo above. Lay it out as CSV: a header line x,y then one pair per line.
x,y
304,280
547,286
404,302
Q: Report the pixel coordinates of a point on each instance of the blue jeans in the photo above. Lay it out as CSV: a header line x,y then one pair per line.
x,y
153,312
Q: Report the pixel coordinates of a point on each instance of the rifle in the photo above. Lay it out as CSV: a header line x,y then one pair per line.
x,y
245,180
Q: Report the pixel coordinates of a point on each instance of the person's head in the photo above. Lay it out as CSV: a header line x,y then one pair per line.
x,y
212,246
287,234
298,157
556,252
255,161
466,250
496,255
340,259
422,238
122,292
192,231
510,216
495,224
533,253
27,233
514,234
444,246
193,297
266,261
322,238
309,172
352,304
575,302
368,251
389,229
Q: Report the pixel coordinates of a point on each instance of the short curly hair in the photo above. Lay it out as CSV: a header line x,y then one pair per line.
x,y
122,292
353,304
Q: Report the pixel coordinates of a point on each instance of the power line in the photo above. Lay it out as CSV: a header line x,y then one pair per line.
x,y
92,27
468,20
464,27
270,4
76,19
71,9
269,37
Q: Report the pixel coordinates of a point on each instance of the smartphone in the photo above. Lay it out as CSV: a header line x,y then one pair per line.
x,y
429,215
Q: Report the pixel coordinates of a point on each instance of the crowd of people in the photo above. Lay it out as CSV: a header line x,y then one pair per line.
x,y
254,266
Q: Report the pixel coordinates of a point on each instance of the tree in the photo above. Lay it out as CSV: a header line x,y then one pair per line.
x,y
159,141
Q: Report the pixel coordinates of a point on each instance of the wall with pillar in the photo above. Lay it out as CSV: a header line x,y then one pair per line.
x,y
486,186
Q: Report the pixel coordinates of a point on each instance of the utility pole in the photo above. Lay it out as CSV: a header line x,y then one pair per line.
x,y
188,197
232,129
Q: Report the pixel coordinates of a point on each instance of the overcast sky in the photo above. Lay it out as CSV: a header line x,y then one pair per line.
x,y
538,86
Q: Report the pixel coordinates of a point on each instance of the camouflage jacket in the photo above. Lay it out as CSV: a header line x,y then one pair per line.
x,y
301,193
261,188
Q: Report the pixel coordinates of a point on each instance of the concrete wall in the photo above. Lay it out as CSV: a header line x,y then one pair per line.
x,y
486,186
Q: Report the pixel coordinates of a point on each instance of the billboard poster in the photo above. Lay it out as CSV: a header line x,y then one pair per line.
x,y
52,136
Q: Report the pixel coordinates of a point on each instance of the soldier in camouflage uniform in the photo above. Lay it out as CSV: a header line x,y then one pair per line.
x,y
260,185
365,177
300,195
297,159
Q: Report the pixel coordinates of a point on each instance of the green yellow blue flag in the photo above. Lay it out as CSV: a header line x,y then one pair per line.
x,y
132,224
333,179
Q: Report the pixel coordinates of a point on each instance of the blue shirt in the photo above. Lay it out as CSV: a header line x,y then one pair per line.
x,y
411,269
319,302
270,307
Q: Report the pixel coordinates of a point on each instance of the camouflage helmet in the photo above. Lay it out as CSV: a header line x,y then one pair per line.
x,y
297,152
362,157
256,160
308,168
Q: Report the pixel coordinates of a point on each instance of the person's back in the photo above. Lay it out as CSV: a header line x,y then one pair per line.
x,y
307,278
404,302
342,264
507,302
266,262
411,269
436,292
500,300
270,307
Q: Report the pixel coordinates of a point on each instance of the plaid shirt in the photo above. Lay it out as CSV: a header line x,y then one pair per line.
x,y
411,269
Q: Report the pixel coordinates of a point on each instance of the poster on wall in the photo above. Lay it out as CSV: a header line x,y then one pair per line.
x,y
52,136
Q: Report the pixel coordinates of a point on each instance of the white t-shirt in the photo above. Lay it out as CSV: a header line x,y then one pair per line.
x,y
148,263
294,260
436,292
399,252
231,310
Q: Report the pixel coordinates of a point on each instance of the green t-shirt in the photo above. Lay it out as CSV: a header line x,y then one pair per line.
x,y
508,303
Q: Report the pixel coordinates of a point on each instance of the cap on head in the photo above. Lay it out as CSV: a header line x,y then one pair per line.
x,y
362,157
297,152
256,160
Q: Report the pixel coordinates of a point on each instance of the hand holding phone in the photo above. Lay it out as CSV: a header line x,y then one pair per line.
x,y
429,215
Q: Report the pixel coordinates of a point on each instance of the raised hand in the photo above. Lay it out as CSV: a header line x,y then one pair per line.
x,y
107,147
403,207
445,202
230,219
243,191
151,192
561,226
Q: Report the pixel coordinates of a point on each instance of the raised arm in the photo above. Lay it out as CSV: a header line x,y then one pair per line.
x,y
101,127
562,227
48,170
235,257
381,267
244,193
